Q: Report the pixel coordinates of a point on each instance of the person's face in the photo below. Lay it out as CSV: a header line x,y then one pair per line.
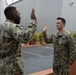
x,y
17,17
59,24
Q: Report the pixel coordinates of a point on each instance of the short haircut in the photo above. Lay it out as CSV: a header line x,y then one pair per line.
x,y
8,10
62,19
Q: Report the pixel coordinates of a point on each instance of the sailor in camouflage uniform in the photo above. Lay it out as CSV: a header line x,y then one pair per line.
x,y
64,48
11,37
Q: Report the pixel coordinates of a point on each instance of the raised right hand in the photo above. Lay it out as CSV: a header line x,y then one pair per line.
x,y
45,27
33,16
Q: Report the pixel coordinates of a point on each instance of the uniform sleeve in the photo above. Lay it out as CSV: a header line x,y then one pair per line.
x,y
72,49
21,35
49,39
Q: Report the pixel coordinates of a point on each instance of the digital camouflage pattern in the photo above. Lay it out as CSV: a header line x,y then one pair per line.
x,y
64,51
11,37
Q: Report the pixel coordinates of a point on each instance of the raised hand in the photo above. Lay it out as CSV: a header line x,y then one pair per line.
x,y
33,16
45,27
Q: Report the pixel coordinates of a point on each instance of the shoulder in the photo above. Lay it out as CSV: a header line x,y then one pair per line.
x,y
13,26
67,33
69,37
1,27
10,24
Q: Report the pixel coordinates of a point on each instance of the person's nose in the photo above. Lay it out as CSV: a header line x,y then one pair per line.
x,y
20,17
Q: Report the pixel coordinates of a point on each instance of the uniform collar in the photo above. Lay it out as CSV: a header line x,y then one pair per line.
x,y
60,34
9,21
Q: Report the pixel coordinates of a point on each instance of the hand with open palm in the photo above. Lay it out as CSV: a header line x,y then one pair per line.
x,y
33,16
45,27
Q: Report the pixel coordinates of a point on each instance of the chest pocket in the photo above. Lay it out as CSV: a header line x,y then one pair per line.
x,y
62,41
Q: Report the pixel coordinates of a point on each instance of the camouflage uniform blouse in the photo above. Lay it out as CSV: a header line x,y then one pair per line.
x,y
64,48
11,37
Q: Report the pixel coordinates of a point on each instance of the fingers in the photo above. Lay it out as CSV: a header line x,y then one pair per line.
x,y
33,10
33,16
45,27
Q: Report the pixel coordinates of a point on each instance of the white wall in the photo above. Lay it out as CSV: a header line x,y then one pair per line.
x,y
46,10
69,13
3,5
